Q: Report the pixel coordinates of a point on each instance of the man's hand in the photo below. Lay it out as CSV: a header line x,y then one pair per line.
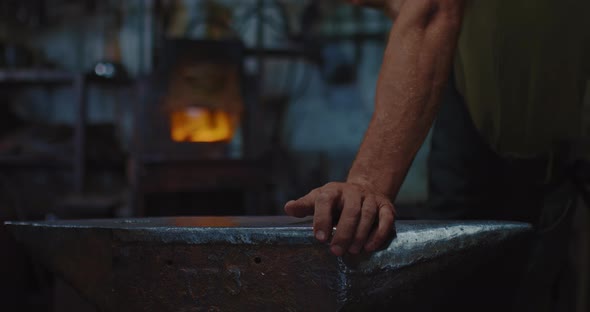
x,y
416,65
365,217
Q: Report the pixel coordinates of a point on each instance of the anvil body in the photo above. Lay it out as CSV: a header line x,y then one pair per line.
x,y
273,264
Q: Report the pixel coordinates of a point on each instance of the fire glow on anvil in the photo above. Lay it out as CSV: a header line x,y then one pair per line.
x,y
265,263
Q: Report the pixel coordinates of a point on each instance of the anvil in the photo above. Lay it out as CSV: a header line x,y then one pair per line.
x,y
274,264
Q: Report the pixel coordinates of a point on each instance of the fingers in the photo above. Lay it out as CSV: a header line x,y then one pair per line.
x,y
349,219
384,228
324,204
359,212
368,216
302,207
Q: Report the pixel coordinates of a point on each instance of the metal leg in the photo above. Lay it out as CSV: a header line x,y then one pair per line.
x,y
80,134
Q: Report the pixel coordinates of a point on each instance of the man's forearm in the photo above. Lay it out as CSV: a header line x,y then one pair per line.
x,y
416,66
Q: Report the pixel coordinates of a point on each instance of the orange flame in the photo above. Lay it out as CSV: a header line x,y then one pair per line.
x,y
201,125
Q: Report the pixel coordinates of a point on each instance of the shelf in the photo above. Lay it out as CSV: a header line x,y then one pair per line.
x,y
294,52
37,162
38,76
14,161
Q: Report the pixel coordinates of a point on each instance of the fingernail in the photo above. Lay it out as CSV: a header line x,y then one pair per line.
x,y
320,235
370,247
337,250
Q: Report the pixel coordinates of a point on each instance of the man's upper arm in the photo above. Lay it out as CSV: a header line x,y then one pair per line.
x,y
424,39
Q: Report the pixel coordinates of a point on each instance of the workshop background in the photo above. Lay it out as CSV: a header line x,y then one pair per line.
x,y
176,107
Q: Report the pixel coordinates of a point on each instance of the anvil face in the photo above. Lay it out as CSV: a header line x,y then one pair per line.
x,y
266,263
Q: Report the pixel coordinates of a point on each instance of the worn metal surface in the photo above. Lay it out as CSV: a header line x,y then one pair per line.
x,y
264,263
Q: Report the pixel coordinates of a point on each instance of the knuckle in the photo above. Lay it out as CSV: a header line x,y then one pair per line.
x,y
354,213
347,225
325,197
360,239
332,185
340,236
320,223
386,204
380,235
323,203
382,200
355,188
314,192
368,218
343,240
369,211
386,223
387,217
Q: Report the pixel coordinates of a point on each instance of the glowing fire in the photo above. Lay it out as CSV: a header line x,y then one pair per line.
x,y
201,125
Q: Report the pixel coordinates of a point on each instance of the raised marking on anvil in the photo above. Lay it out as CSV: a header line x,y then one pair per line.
x,y
233,282
190,274
234,272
